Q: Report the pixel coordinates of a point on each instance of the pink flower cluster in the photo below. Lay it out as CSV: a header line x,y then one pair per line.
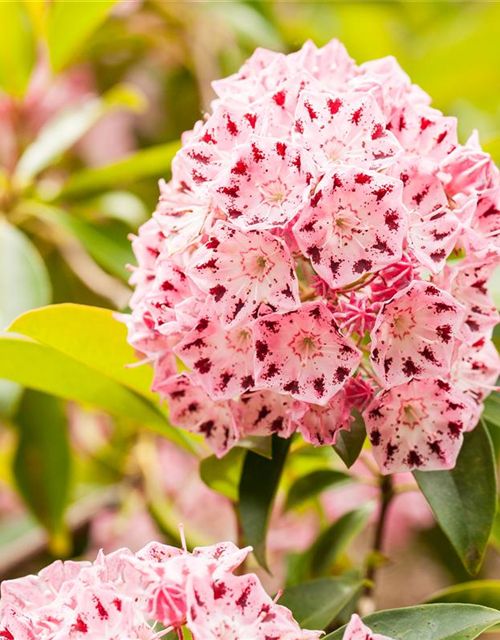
x,y
144,596
325,244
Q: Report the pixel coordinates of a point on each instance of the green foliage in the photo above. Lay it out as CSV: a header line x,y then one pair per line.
x,y
317,603
224,475
42,465
257,490
147,163
312,484
464,499
349,443
482,592
17,47
430,622
70,23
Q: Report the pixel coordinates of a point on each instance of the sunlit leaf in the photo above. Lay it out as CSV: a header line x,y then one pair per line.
x,y
223,475
17,47
483,592
69,26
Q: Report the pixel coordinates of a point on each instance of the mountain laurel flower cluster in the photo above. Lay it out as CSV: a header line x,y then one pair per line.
x,y
146,595
324,245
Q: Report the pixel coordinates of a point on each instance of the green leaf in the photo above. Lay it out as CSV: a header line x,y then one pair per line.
x,y
262,445
349,443
430,622
17,47
491,411
70,24
40,367
106,250
42,465
332,542
317,603
312,484
90,335
148,163
24,281
68,126
257,491
483,592
24,284
223,475
464,499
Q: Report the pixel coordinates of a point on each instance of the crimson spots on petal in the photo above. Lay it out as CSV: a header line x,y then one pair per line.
x,y
261,350
414,459
362,265
362,178
218,292
279,98
292,387
334,105
203,365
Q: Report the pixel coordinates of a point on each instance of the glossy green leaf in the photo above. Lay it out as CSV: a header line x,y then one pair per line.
x,y
90,335
464,499
483,592
68,126
24,281
332,542
70,23
491,411
40,367
430,622
257,490
312,484
223,475
148,163
349,443
17,47
24,285
317,603
42,465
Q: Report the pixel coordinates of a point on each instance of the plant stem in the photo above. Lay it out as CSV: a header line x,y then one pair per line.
x,y
386,496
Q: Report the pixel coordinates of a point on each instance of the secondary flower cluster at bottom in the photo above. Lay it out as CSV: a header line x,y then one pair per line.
x,y
144,596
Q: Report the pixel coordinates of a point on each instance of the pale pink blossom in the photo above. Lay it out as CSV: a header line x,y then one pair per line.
x,y
356,630
418,425
415,334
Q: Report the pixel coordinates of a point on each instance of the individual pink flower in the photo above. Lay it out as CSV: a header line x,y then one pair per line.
x,y
356,630
434,227
476,369
192,409
354,224
222,360
415,334
303,354
263,413
238,608
266,184
468,284
418,425
330,64
243,270
344,128
320,425
392,279
180,216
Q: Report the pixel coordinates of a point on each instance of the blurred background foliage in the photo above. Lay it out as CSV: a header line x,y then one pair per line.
x,y
94,97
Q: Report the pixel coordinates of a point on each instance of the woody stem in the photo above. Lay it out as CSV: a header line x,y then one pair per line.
x,y
386,496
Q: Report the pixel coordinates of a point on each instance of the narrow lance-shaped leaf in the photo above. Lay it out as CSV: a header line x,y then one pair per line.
x,y
148,163
258,487
42,465
312,484
464,499
430,622
483,592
